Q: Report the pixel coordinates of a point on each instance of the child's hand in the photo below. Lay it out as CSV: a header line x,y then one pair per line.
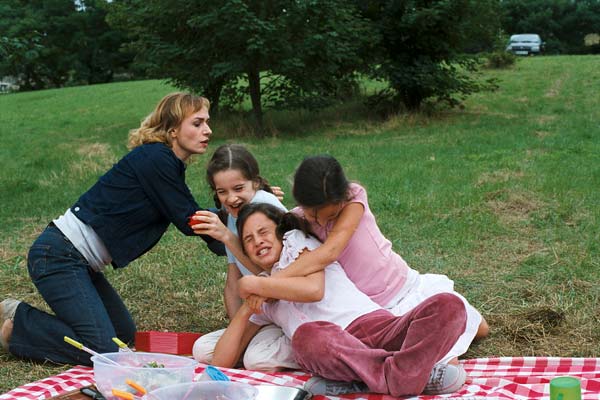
x,y
255,303
278,192
208,223
248,285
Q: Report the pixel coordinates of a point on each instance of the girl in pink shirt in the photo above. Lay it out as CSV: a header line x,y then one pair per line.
x,y
339,214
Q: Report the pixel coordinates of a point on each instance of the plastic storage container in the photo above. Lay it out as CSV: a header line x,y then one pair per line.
x,y
149,370
215,390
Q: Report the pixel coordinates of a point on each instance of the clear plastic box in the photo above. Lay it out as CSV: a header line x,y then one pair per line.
x,y
148,370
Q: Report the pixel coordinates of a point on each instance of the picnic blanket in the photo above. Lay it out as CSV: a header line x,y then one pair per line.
x,y
490,378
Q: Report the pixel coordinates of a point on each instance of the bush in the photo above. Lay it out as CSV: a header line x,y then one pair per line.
x,y
500,59
420,47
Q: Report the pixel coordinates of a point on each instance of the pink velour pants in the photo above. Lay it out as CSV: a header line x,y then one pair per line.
x,y
392,355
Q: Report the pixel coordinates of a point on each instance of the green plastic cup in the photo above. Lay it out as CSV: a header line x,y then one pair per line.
x,y
565,388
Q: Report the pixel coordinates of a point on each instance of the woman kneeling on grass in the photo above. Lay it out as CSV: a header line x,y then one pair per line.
x,y
117,220
338,332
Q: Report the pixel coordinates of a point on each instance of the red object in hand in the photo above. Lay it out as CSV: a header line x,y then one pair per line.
x,y
192,222
179,343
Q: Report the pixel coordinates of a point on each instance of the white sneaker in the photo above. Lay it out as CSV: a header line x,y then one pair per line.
x,y
8,308
318,385
445,378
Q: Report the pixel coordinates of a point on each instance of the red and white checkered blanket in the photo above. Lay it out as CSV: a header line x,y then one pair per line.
x,y
489,378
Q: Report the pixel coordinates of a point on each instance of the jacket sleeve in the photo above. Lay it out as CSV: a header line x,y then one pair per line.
x,y
162,177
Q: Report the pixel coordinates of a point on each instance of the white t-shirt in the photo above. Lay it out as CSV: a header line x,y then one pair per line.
x,y
341,304
85,240
260,196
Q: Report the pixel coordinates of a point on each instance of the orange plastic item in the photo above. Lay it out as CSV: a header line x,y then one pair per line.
x,y
136,386
179,343
121,394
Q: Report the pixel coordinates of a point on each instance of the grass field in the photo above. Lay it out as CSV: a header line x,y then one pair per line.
x,y
502,196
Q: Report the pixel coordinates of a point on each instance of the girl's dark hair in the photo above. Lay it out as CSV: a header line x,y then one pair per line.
x,y
319,181
234,156
285,221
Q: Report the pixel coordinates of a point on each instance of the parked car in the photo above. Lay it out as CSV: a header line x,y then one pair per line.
x,y
525,44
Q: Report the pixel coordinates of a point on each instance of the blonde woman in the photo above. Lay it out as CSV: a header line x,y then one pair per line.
x,y
117,220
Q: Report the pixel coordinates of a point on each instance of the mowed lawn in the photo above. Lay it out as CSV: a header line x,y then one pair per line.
x,y
502,196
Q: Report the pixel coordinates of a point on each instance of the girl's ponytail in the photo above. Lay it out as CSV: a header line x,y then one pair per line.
x,y
263,184
290,221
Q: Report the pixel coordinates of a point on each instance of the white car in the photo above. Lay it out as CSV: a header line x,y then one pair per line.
x,y
525,44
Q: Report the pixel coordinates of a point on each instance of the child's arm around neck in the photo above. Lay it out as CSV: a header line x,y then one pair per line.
x,y
302,289
336,241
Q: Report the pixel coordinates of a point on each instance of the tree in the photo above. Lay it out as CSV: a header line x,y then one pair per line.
x,y
17,58
98,46
277,52
41,31
483,29
421,48
56,42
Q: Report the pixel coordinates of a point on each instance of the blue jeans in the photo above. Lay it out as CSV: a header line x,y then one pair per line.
x,y
86,306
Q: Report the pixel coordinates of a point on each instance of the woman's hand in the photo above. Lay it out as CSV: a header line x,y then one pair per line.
x,y
208,223
278,192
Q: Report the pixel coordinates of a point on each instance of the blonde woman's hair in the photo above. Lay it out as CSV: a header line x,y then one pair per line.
x,y
168,115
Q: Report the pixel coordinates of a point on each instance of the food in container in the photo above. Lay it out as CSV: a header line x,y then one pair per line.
x,y
149,370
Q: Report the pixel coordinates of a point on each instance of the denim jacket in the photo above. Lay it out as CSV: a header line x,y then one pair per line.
x,y
132,205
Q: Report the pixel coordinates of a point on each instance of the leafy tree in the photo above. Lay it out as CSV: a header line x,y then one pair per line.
x,y
36,28
18,55
56,42
482,29
278,52
98,46
421,47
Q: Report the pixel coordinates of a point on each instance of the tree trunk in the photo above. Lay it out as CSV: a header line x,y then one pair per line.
x,y
255,94
213,94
